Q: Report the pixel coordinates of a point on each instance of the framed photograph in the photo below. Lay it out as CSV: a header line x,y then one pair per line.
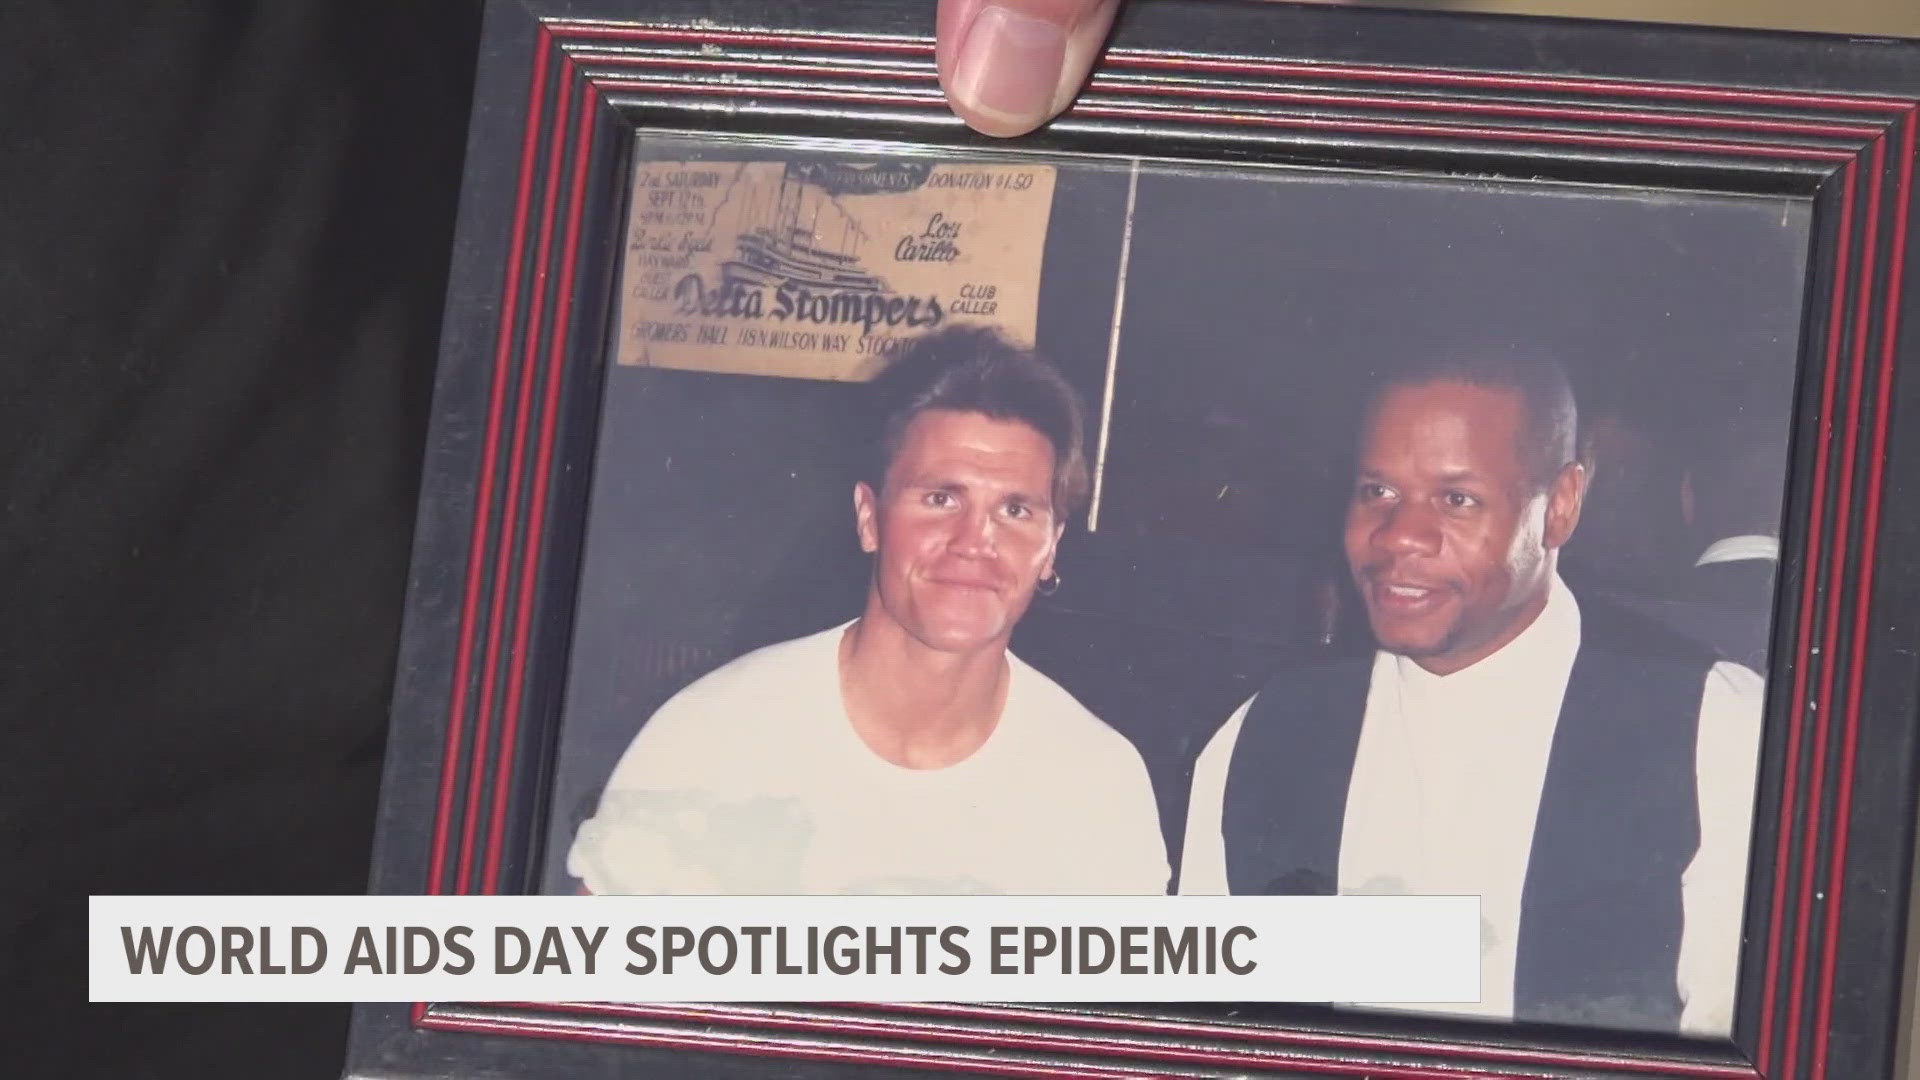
x,y
1349,452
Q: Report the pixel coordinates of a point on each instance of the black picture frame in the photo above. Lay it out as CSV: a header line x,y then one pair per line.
x,y
563,85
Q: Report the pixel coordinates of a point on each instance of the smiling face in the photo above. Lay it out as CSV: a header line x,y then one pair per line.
x,y
963,528
1450,540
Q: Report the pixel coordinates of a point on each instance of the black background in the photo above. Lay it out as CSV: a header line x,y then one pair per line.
x,y
224,234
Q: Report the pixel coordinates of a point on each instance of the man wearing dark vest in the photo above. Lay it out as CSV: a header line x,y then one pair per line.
x,y
1589,776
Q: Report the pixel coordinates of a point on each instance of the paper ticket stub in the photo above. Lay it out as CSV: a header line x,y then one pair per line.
x,y
821,270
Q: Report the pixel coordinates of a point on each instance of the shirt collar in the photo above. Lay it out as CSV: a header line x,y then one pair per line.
x,y
1548,644
1740,548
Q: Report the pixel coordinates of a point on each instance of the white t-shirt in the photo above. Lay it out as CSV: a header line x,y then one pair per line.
x,y
753,781
1446,787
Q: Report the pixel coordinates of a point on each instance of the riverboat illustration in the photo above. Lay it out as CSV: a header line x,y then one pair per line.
x,y
783,251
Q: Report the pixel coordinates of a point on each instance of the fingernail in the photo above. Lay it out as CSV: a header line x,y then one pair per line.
x,y
1010,65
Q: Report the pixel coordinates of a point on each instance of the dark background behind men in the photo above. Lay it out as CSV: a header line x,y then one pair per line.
x,y
1721,590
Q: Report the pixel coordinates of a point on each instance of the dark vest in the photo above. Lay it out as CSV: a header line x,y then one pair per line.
x,y
1600,912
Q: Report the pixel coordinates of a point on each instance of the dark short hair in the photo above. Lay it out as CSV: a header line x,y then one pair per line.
x,y
1550,433
976,369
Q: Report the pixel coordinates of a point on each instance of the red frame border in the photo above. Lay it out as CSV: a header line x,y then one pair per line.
x,y
553,40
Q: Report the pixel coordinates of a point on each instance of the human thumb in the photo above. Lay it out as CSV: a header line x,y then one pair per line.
x,y
1009,66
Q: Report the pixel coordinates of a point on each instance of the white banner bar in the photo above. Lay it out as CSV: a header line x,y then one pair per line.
x,y
784,948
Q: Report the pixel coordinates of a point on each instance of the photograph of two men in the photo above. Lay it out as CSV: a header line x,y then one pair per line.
x,y
1023,525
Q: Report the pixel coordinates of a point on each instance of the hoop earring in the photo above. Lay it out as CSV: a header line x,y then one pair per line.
x,y
1048,585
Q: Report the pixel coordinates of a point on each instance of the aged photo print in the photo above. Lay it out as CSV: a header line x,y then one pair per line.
x,y
1040,525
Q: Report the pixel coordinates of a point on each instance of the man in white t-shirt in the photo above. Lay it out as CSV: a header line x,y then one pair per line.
x,y
906,751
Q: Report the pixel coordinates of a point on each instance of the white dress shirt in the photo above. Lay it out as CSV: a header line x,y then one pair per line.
x,y
1740,549
1446,789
